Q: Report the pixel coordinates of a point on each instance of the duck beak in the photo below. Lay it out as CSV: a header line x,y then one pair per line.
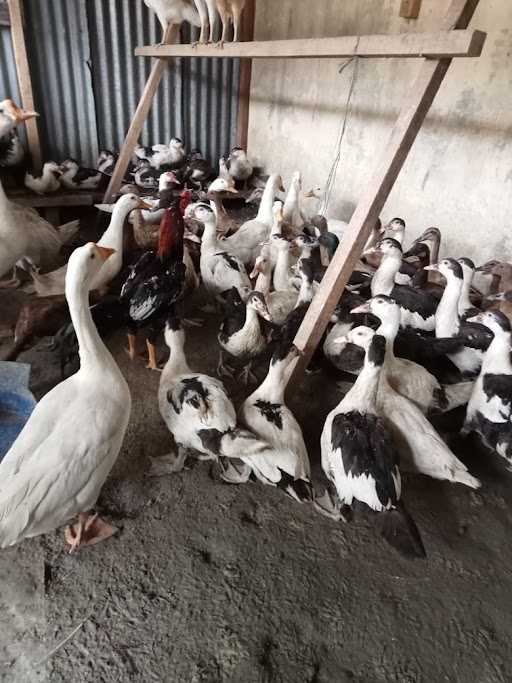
x,y
341,340
232,190
265,313
475,318
371,250
363,308
20,115
255,271
433,266
104,252
143,205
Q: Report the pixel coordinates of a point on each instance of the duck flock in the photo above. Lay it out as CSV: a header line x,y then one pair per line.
x,y
411,334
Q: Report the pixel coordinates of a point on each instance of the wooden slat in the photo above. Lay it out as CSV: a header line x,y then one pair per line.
x,y
53,200
417,102
5,19
244,89
139,118
24,80
443,44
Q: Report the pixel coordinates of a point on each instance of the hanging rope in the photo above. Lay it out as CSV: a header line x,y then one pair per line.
x,y
331,178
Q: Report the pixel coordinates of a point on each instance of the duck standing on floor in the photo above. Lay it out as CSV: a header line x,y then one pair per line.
x,y
11,149
174,12
220,269
489,412
155,284
246,242
56,467
239,166
48,181
360,458
75,177
49,284
417,307
420,446
241,334
266,414
26,237
476,338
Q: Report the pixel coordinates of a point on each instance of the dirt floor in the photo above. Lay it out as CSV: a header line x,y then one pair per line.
x,y
211,583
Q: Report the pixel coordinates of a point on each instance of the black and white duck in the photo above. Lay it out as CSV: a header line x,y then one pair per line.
x,y
420,446
475,337
47,181
405,376
155,284
220,269
197,171
417,307
359,456
171,156
466,307
241,334
266,414
239,166
106,162
12,151
145,176
75,177
489,412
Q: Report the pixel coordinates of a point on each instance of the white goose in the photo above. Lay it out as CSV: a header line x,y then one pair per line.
x,y
50,284
59,462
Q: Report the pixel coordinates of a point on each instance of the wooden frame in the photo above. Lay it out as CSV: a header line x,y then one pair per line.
x,y
244,90
437,51
439,45
24,80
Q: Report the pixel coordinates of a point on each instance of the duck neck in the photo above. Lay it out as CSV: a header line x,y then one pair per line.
x,y
209,240
281,270
506,279
434,251
263,282
384,279
447,313
113,235
93,352
363,395
272,387
177,362
265,214
389,329
291,203
497,357
305,293
4,205
464,300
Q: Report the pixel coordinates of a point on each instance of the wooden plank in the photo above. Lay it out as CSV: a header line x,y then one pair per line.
x,y
139,118
442,44
410,9
53,200
5,19
417,102
24,80
244,88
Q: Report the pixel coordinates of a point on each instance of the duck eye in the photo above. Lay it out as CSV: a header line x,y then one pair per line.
x,y
91,256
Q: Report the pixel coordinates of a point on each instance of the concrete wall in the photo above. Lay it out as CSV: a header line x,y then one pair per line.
x,y
458,175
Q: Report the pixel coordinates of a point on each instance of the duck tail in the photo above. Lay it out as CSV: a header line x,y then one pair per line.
x,y
68,231
299,489
400,531
464,477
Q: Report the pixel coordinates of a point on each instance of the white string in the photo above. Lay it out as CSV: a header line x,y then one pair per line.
x,y
331,178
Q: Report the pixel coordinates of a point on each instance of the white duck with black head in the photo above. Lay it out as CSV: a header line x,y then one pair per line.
x,y
241,334
417,308
489,410
476,338
359,455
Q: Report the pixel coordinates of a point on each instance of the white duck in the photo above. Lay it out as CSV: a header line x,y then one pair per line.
x,y
266,414
240,168
420,446
172,154
25,236
56,467
245,243
48,181
291,209
11,149
174,12
220,269
50,284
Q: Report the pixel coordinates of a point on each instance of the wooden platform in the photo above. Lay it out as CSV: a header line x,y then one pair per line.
x,y
54,200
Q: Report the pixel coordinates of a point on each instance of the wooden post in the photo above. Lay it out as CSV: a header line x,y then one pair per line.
x,y
24,80
139,118
414,110
244,91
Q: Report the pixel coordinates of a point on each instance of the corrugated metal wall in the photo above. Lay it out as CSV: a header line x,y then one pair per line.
x,y
87,81
8,80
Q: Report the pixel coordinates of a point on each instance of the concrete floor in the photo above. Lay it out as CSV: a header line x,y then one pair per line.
x,y
213,583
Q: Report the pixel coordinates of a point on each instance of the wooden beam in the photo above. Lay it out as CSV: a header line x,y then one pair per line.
x,y
244,89
139,118
24,80
416,104
53,200
439,45
5,19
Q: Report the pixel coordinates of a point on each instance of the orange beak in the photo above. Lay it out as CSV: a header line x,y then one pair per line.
x,y
104,252
19,115
142,205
